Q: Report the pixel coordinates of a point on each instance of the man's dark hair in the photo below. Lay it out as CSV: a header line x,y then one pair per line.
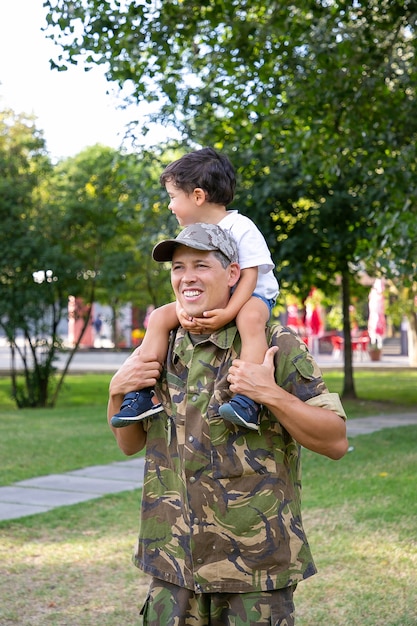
x,y
206,169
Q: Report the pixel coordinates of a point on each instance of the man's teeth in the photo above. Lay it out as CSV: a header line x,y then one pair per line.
x,y
191,294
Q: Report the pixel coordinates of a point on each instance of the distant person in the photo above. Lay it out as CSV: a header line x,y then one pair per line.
x,y
149,310
201,184
293,318
98,325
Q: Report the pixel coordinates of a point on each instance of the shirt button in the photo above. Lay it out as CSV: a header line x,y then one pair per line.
x,y
194,398
191,439
200,560
196,520
192,479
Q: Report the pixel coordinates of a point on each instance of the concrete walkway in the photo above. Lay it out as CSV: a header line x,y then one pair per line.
x,y
38,495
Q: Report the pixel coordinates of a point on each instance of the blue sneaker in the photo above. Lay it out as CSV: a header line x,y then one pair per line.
x,y
241,410
136,406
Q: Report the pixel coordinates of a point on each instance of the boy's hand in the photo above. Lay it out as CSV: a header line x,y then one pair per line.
x,y
214,319
211,320
187,321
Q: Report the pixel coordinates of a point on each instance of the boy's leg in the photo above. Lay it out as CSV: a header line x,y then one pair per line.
x,y
138,405
251,322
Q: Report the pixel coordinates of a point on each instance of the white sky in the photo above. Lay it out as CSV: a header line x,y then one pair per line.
x,y
72,107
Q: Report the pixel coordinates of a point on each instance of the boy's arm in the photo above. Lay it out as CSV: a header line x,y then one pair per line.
x,y
217,318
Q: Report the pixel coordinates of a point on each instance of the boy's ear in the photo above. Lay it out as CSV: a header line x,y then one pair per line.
x,y
199,196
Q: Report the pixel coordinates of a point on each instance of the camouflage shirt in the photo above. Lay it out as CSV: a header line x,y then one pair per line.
x,y
221,504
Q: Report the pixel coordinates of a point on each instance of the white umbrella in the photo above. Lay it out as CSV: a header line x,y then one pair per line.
x,y
376,319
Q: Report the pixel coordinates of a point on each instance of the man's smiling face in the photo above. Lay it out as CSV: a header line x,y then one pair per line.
x,y
199,280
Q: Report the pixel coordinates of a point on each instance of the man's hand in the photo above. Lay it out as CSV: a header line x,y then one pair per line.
x,y
254,380
319,429
137,372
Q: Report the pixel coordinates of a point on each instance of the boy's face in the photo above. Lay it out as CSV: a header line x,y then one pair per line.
x,y
199,280
186,208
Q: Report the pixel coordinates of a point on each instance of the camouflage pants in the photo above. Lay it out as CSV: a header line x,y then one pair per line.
x,y
169,605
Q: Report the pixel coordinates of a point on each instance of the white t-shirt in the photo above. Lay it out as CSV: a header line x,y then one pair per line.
x,y
253,251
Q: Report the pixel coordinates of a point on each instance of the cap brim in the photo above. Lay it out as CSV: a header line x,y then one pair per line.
x,y
164,250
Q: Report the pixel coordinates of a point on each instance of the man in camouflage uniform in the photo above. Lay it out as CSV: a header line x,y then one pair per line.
x,y
221,531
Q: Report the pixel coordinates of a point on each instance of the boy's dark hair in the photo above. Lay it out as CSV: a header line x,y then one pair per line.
x,y
206,169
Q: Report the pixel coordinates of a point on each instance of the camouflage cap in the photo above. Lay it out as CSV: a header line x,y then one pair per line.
x,y
199,237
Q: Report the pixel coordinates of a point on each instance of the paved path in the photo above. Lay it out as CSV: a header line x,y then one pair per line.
x,y
367,425
38,495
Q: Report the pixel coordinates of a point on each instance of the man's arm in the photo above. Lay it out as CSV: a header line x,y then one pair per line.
x,y
318,429
135,373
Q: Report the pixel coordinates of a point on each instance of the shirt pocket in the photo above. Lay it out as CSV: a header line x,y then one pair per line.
x,y
238,452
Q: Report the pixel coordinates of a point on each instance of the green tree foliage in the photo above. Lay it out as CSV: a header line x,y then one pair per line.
x,y
113,211
83,228
313,101
148,202
108,212
24,304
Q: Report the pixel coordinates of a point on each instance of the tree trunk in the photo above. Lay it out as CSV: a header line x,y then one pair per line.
x,y
348,383
412,339
74,350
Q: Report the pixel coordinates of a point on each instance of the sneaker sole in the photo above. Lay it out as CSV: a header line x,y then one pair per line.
x,y
118,421
231,416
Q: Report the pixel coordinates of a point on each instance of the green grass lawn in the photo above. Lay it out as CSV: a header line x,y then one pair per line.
x,y
360,514
35,442
72,566
379,391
